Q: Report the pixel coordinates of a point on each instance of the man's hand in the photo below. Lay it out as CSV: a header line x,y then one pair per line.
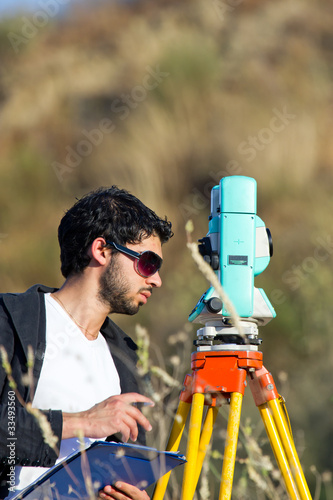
x,y
114,414
123,491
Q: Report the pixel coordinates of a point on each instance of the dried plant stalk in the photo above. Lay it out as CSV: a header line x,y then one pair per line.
x,y
208,272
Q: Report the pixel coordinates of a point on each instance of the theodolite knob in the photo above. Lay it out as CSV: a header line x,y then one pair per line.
x,y
214,305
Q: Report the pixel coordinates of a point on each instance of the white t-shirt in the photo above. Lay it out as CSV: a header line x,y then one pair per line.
x,y
76,374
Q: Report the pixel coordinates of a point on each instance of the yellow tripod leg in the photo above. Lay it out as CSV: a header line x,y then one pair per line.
x,y
188,486
173,445
206,434
231,446
283,427
279,452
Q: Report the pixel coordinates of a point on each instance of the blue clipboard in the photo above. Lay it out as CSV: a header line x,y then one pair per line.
x,y
101,464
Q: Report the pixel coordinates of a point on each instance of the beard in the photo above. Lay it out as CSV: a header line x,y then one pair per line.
x,y
114,291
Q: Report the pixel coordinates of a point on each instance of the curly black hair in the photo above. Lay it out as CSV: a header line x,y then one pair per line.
x,y
110,213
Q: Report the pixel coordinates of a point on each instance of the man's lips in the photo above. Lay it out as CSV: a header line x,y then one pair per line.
x,y
145,294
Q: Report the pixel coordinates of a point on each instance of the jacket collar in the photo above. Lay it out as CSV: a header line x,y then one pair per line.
x,y
28,314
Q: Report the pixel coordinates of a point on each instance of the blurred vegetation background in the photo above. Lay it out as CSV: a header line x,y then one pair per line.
x,y
164,99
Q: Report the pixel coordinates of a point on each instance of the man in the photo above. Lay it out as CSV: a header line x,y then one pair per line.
x,y
84,375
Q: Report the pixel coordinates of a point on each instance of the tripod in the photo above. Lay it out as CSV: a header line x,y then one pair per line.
x,y
223,371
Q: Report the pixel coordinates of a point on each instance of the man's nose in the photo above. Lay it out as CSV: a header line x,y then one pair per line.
x,y
155,280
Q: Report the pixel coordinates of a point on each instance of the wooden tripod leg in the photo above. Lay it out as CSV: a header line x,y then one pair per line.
x,y
231,446
188,486
173,445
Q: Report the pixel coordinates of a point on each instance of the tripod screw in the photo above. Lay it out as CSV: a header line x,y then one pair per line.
x,y
203,342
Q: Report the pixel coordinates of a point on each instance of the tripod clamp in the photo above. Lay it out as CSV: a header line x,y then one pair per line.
x,y
223,336
220,373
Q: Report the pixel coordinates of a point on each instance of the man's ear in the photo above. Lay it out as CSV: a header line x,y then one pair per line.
x,y
98,251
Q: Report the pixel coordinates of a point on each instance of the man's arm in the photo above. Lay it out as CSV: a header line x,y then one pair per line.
x,y
114,414
23,432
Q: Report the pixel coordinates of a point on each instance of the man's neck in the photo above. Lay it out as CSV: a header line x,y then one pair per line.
x,y
79,298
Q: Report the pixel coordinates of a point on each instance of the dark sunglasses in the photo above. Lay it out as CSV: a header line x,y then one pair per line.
x,y
147,263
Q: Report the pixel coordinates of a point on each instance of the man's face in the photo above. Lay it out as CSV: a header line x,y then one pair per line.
x,y
121,287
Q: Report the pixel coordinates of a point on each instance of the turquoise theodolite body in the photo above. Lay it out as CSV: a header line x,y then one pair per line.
x,y
238,246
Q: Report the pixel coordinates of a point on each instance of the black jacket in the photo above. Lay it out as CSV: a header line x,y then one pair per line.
x,y
23,323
